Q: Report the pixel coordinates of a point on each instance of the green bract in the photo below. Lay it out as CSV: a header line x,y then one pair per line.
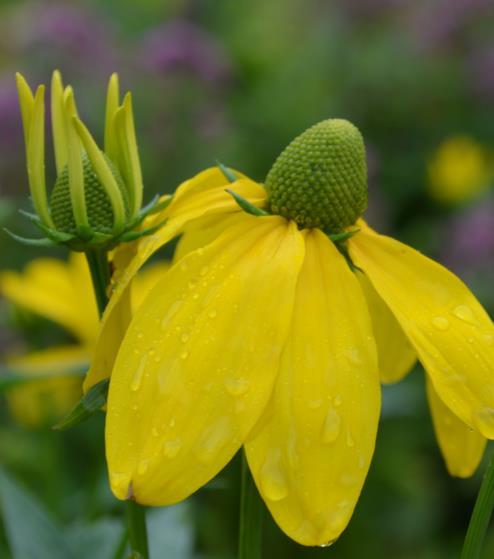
x,y
320,179
96,199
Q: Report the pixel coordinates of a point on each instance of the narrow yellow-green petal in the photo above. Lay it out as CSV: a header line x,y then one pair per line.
x,y
125,129
199,196
104,173
198,363
60,140
462,447
395,354
75,168
36,157
112,104
448,328
26,101
311,451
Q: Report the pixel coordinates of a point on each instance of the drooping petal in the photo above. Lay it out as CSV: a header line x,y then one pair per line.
x,y
450,331
395,354
462,447
200,196
58,291
311,451
199,360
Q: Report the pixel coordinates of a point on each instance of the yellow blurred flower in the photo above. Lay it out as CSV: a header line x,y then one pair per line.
x,y
459,170
272,332
61,292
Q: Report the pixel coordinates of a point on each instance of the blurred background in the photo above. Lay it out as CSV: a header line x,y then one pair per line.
x,y
235,82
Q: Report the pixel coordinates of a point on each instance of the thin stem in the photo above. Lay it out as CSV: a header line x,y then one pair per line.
x,y
251,512
481,515
136,521
136,515
100,274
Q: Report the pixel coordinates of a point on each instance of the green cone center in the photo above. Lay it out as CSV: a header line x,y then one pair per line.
x,y
98,205
320,179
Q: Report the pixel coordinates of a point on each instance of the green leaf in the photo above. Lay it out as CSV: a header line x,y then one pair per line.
x,y
89,404
343,236
98,540
246,205
31,533
30,242
229,174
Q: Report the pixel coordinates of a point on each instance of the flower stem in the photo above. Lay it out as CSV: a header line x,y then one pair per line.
x,y
136,521
100,274
136,515
251,512
481,515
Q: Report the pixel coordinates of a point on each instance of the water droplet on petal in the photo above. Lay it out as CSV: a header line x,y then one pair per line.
x,y
120,482
172,311
337,400
315,404
212,313
172,447
213,440
328,544
136,382
465,313
184,337
440,323
349,439
353,355
348,479
184,355
204,271
237,386
488,339
143,467
273,480
332,426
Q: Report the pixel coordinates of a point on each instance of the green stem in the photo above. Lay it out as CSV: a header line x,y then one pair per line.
x,y
136,521
100,274
481,515
251,511
136,515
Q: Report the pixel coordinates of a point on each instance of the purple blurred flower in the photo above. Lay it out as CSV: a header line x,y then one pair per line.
x,y
180,44
65,32
372,8
482,72
469,243
435,24
10,128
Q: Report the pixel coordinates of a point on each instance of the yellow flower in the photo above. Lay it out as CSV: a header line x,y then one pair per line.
x,y
61,292
272,332
459,170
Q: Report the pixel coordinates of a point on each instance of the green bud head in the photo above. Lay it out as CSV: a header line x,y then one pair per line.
x,y
320,179
98,205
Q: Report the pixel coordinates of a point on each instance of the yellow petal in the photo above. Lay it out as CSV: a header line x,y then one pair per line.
x,y
46,400
450,331
395,354
58,291
145,282
58,124
311,451
462,448
199,360
200,196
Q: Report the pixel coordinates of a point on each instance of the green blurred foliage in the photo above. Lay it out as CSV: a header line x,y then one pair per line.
x,y
235,82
